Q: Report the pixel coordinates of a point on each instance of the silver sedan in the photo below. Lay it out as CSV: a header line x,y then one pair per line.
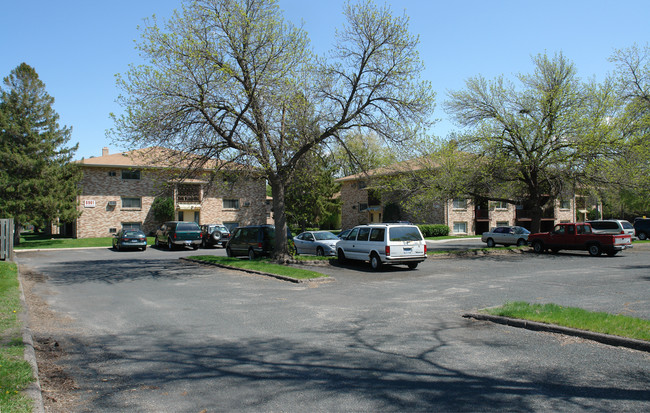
x,y
320,243
506,236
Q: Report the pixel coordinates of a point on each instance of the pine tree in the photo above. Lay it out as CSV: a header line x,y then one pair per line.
x,y
38,184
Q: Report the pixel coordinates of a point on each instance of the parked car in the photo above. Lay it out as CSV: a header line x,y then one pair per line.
x,y
506,236
612,226
214,234
642,228
571,236
130,239
320,243
384,244
179,234
254,241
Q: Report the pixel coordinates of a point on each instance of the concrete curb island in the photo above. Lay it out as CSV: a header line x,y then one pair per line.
x,y
267,274
608,339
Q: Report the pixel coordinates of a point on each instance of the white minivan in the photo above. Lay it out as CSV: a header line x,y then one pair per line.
x,y
383,244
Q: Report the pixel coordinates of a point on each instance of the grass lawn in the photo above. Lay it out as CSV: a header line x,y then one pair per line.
x,y
618,325
36,241
15,372
262,265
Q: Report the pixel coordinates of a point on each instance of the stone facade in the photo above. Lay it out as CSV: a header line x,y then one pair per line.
x,y
110,200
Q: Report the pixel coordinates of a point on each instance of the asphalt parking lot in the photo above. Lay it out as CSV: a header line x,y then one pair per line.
x,y
145,331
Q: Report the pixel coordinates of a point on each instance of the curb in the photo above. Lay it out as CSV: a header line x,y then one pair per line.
x,y
279,277
608,339
33,391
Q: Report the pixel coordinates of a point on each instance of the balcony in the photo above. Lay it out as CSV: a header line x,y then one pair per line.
x,y
527,214
482,214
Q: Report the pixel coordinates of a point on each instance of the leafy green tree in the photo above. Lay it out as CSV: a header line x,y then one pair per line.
x,y
310,192
231,80
537,142
38,184
163,208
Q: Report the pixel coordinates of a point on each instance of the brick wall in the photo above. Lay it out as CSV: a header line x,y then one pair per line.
x,y
100,190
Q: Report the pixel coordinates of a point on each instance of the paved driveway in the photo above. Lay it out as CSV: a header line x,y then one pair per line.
x,y
147,332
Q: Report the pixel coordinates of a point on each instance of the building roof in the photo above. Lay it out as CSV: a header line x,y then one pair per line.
x,y
154,157
410,165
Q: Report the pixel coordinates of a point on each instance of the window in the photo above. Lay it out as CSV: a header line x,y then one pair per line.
x,y
131,226
362,184
460,227
231,204
459,203
500,205
565,204
112,173
404,234
502,223
377,234
130,174
363,207
363,234
131,202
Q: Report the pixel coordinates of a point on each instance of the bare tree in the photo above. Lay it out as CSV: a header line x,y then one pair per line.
x,y
231,80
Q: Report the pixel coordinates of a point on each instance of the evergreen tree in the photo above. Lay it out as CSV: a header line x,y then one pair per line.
x,y
38,184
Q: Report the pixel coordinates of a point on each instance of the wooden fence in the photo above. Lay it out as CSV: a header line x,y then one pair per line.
x,y
7,239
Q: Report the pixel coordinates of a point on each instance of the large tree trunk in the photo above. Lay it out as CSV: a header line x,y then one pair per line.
x,y
17,229
281,250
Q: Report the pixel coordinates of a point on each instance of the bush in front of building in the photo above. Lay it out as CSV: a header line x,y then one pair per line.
x,y
434,230
163,209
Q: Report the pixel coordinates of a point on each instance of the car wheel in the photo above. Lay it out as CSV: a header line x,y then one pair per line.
x,y
144,248
412,265
594,250
319,252
538,247
203,243
170,244
490,242
521,242
229,252
251,254
375,262
340,256
611,253
117,246
195,246
643,236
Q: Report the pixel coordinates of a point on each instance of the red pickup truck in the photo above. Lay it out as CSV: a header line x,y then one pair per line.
x,y
579,236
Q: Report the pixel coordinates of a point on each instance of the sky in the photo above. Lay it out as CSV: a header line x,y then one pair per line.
x,y
78,46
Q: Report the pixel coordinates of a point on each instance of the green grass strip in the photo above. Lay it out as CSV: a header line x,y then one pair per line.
x,y
599,322
30,241
15,371
262,265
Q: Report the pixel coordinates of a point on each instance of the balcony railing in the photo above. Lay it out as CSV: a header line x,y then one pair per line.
x,y
188,199
482,213
526,214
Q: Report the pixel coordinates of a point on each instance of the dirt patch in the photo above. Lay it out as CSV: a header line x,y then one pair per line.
x,y
58,388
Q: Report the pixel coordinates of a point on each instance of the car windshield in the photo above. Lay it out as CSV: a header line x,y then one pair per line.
x,y
187,226
325,236
405,234
133,234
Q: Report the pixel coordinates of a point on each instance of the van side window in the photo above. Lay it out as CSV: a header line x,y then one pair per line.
x,y
363,234
353,234
377,234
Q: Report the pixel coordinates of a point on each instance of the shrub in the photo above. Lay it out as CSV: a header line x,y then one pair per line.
x,y
163,209
434,230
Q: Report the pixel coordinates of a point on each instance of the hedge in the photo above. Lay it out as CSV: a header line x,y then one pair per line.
x,y
434,230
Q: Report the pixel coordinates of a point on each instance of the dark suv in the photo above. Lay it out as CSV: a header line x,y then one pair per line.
x,y
642,228
179,233
254,241
214,234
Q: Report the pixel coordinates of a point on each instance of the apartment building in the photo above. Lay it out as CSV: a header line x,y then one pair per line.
x,y
118,190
